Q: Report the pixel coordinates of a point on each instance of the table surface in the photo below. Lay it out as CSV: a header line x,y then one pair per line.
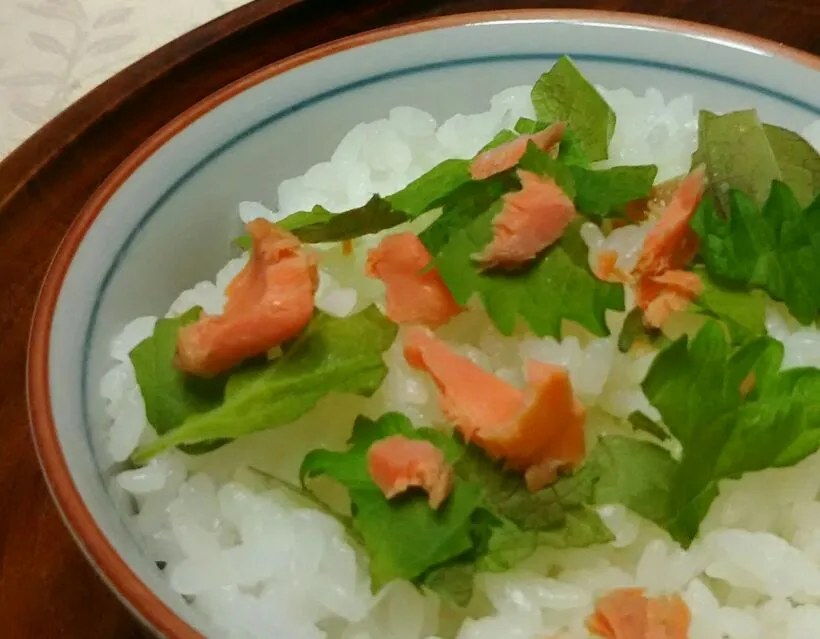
x,y
46,587
54,51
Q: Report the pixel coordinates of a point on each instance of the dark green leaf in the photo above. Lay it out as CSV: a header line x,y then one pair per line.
x,y
453,582
426,192
571,151
726,426
645,424
464,205
563,94
682,373
606,192
559,514
506,547
379,213
619,470
557,285
537,161
320,225
332,355
635,331
597,193
583,528
776,249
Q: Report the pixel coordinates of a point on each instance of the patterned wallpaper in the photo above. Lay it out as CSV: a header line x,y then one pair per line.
x,y
54,51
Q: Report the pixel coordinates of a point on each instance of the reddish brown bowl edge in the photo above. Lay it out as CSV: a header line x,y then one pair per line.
x,y
65,493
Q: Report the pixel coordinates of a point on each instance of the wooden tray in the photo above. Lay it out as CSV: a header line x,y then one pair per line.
x,y
46,587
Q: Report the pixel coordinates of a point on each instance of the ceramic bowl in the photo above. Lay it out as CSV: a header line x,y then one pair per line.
x,y
161,222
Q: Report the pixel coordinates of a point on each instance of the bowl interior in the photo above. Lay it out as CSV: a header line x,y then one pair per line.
x,y
166,218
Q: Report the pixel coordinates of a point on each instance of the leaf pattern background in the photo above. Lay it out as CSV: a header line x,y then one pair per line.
x,y
52,52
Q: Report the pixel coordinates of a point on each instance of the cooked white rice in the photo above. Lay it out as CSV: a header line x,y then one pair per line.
x,y
260,565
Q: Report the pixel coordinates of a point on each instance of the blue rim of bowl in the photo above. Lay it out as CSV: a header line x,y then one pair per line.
x,y
142,601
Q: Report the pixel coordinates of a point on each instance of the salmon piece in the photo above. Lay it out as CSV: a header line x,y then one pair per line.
x,y
606,268
748,384
626,613
473,399
538,431
547,436
662,287
506,156
268,302
531,220
399,463
659,197
672,244
620,614
662,295
668,618
416,294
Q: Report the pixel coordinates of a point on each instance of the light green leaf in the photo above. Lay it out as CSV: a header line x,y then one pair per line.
x,y
404,537
349,467
332,355
798,160
170,395
742,311
636,474
243,242
537,161
740,152
563,94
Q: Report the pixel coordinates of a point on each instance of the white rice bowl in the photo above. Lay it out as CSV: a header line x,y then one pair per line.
x,y
260,565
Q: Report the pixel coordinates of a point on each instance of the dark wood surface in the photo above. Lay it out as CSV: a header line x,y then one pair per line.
x,y
46,587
